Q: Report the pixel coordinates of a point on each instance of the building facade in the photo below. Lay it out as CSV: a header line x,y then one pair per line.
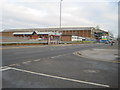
x,y
66,32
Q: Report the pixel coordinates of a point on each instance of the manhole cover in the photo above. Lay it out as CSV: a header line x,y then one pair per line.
x,y
91,71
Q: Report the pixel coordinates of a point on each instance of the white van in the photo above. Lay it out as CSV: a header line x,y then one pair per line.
x,y
77,38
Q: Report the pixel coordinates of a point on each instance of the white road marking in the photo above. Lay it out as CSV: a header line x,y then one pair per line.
x,y
63,78
4,69
1,67
58,56
26,62
36,60
12,64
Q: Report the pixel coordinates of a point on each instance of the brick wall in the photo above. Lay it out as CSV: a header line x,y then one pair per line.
x,y
68,33
66,37
83,33
6,34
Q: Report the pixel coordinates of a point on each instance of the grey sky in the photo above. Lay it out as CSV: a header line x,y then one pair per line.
x,y
45,13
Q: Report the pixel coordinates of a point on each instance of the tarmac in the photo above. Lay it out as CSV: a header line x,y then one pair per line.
x,y
107,53
56,67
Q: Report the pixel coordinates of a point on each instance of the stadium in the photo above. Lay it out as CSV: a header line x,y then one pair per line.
x,y
62,34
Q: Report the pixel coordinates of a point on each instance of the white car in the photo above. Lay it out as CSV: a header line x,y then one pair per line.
x,y
39,39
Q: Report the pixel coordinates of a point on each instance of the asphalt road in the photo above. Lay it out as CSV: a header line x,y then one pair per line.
x,y
56,67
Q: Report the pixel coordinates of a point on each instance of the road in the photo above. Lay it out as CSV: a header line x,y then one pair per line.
x,y
56,67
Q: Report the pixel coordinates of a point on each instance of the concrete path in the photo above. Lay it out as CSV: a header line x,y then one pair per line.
x,y
108,53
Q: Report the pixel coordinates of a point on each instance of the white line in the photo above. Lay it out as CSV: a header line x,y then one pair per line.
x,y
4,69
28,61
12,64
59,56
37,60
1,67
63,78
56,56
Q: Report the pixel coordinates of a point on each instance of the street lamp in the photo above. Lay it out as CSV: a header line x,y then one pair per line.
x,y
60,11
60,17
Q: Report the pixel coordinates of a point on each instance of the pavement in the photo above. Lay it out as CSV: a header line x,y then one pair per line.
x,y
107,53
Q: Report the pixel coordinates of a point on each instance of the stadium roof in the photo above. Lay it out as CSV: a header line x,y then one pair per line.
x,y
49,29
30,33
19,33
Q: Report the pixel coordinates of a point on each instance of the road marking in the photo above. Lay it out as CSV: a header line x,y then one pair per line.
x,y
26,62
5,68
1,67
12,64
57,56
63,78
36,60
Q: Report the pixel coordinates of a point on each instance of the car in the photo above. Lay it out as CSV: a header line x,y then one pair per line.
x,y
39,39
107,42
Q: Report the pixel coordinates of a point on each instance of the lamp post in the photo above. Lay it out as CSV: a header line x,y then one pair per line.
x,y
60,17
60,11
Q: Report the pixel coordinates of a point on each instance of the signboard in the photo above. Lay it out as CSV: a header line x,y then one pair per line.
x,y
104,38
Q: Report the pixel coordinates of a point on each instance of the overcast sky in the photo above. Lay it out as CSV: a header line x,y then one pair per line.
x,y
46,13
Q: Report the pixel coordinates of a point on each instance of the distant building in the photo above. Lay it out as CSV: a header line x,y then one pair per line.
x,y
65,33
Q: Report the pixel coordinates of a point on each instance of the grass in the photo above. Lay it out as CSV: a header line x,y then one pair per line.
x,y
36,43
9,44
82,41
79,42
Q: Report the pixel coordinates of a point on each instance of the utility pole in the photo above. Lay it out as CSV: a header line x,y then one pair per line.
x,y
60,17
60,11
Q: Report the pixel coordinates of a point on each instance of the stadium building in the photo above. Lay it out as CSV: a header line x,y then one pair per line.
x,y
64,33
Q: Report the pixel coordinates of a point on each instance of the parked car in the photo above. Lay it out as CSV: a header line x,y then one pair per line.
x,y
107,42
39,39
